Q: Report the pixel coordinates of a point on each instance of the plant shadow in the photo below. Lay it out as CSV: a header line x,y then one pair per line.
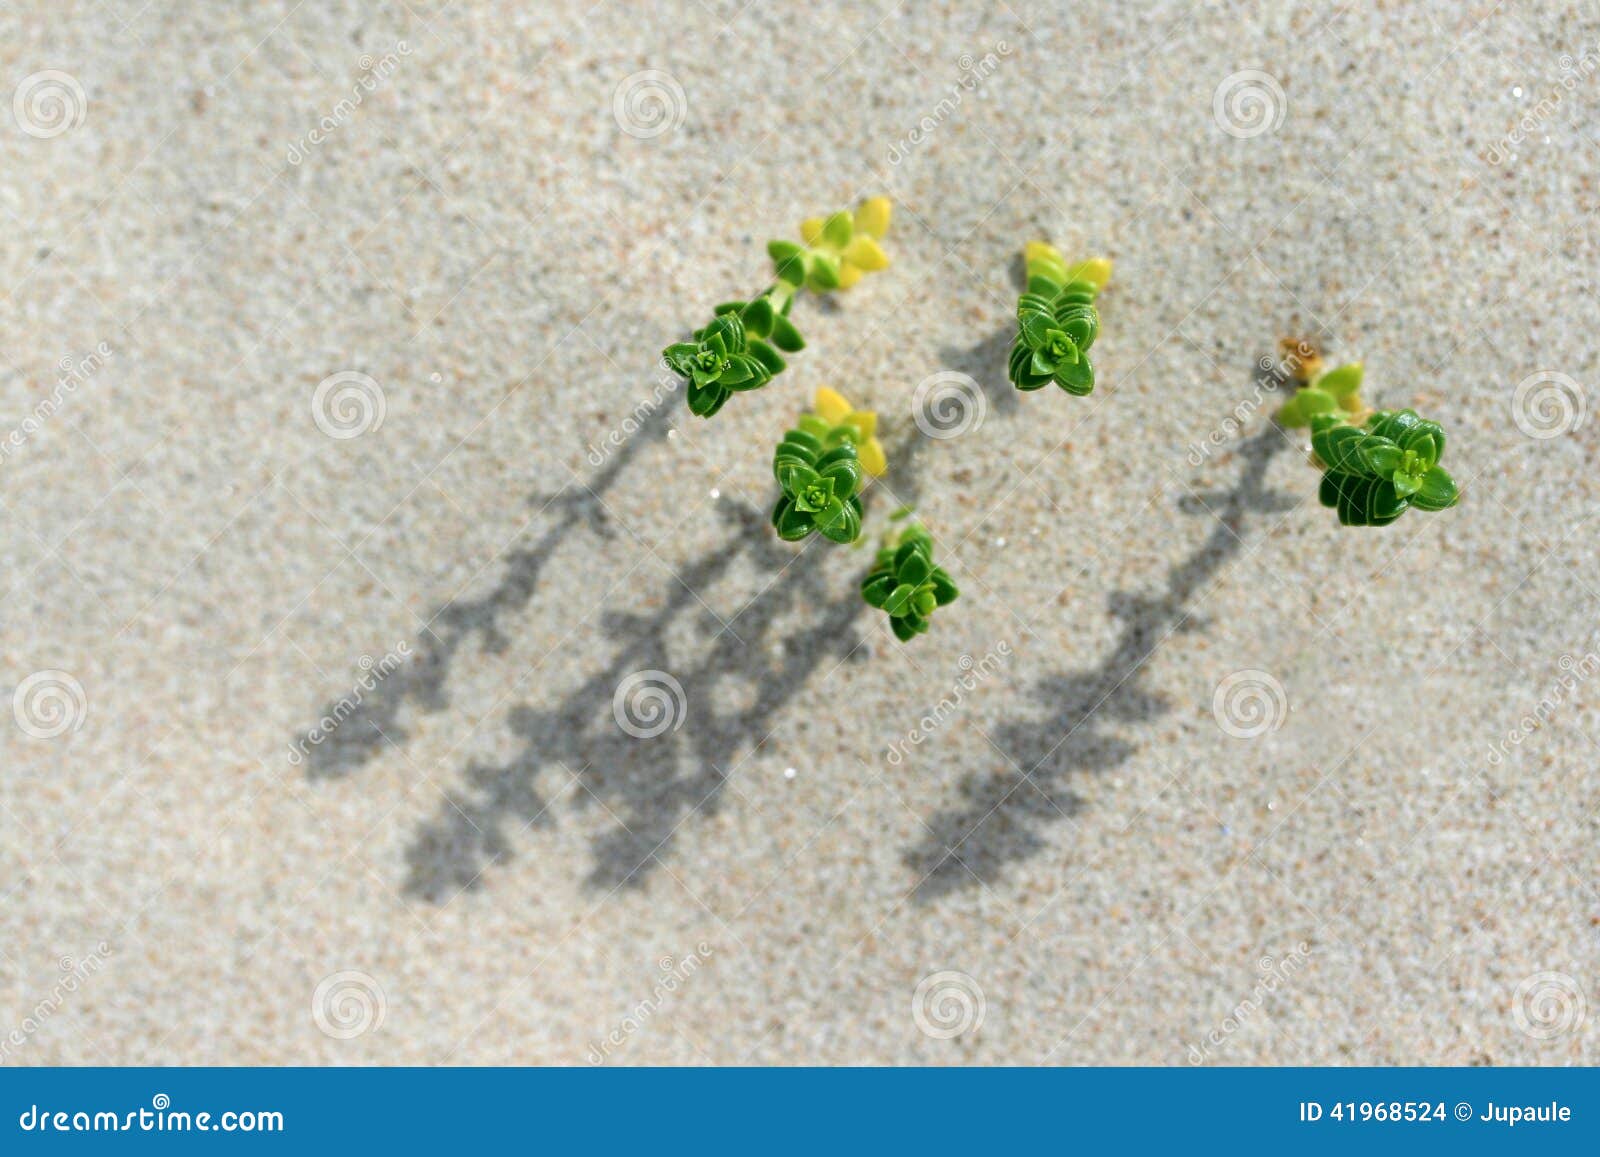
x,y
648,784
999,817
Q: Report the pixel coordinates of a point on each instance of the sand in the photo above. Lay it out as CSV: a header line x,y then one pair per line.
x,y
439,211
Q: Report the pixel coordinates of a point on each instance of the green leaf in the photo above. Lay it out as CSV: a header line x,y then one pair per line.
x,y
843,525
823,272
1077,378
1437,492
915,569
1381,456
838,230
1340,383
899,598
1405,485
706,400
757,317
907,629
1035,325
944,588
680,356
876,589
1336,445
739,371
785,336
768,357
792,523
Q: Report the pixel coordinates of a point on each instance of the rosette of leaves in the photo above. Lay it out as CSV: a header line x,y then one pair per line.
x,y
1335,392
1057,322
1373,472
906,584
821,488
735,352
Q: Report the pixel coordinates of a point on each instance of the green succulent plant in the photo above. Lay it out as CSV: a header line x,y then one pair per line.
x,y
1372,473
821,487
1057,322
738,351
732,354
906,584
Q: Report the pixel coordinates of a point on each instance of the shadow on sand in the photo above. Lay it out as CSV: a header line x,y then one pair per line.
x,y
1000,816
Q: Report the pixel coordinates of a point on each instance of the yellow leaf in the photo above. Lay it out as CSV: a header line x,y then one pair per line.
x,y
867,254
831,405
810,230
1035,251
848,274
1096,271
866,421
873,459
872,216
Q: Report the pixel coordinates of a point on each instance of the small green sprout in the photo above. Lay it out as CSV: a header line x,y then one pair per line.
x,y
1057,321
1336,392
821,488
837,251
1372,473
738,351
905,583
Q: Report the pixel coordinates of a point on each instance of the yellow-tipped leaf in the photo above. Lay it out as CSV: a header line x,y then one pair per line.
x,y
872,216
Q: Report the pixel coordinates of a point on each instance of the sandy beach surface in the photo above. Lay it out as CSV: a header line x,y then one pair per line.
x,y
328,388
